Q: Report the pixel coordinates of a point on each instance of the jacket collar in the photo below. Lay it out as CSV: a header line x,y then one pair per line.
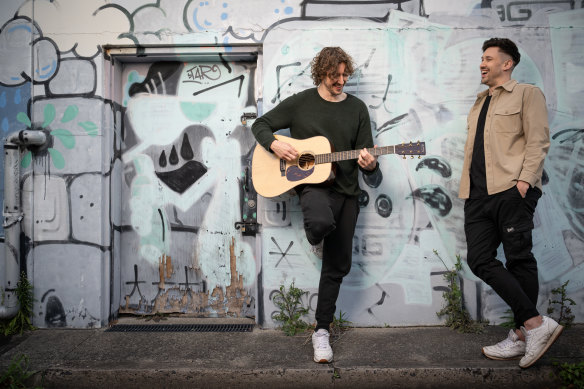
x,y
508,86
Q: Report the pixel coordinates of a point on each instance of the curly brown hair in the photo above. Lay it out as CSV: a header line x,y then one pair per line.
x,y
327,61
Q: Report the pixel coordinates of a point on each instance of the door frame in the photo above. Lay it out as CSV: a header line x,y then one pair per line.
x,y
115,56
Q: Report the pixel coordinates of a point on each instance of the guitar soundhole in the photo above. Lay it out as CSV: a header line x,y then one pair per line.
x,y
306,161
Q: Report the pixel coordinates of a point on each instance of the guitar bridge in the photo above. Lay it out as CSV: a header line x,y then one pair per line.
x,y
282,167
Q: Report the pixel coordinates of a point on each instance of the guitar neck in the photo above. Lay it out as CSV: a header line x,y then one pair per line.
x,y
352,154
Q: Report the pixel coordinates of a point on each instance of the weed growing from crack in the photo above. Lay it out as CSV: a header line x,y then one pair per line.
x,y
571,375
457,317
22,321
339,326
17,374
564,302
341,323
291,309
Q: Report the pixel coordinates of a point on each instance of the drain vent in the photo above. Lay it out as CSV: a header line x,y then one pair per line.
x,y
181,328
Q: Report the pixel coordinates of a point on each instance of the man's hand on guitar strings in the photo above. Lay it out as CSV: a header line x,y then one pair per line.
x,y
284,150
366,160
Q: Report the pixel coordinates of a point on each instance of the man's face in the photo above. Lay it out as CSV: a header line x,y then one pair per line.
x,y
335,81
493,64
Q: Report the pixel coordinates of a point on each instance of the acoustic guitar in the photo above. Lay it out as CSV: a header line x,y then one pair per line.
x,y
272,176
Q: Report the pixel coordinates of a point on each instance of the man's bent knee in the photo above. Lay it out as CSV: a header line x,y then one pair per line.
x,y
317,230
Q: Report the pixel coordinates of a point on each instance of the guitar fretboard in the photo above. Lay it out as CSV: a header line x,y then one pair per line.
x,y
352,154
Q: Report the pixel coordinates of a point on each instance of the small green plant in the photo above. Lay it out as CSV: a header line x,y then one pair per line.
x,y
571,375
564,302
17,373
340,323
338,327
22,321
457,317
291,309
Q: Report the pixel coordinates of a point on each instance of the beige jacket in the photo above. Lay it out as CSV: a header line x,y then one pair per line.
x,y
517,137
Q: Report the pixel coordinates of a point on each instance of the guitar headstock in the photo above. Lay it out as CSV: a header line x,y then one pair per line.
x,y
418,148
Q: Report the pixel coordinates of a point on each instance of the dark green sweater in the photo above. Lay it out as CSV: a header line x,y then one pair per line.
x,y
346,124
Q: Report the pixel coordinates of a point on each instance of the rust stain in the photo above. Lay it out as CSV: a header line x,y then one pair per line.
x,y
169,271
231,303
128,309
161,272
164,269
219,297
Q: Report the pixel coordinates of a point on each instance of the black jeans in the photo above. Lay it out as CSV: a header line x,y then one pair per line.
x,y
505,218
330,216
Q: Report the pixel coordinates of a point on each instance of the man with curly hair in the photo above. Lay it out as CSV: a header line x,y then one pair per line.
x,y
508,140
330,212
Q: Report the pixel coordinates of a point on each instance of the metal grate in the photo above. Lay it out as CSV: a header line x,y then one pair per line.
x,y
181,328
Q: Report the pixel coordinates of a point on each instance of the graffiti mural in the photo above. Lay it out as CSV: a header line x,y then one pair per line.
x,y
140,200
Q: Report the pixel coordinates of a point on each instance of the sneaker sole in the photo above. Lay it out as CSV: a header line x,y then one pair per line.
x,y
500,358
555,335
322,360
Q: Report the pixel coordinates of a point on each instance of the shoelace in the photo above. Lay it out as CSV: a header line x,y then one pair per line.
x,y
507,343
322,341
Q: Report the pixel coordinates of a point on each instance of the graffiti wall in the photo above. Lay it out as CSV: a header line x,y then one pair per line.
x,y
133,204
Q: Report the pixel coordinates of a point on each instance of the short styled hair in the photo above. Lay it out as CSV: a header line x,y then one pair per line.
x,y
506,46
327,62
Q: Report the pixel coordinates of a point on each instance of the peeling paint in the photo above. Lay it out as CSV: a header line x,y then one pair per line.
x,y
228,302
164,269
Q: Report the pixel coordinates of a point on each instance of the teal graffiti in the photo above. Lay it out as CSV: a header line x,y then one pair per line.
x,y
197,112
64,136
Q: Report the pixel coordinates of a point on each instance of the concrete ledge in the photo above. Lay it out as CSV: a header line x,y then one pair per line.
x,y
463,378
415,357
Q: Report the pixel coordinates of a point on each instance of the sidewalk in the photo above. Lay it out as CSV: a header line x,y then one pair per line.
x,y
414,357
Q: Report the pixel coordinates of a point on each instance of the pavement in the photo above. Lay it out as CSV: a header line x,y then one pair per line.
x,y
399,357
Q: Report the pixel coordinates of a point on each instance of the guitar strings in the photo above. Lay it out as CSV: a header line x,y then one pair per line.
x,y
309,160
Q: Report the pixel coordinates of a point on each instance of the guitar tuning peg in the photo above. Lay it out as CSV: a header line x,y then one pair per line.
x,y
410,143
412,157
404,157
419,157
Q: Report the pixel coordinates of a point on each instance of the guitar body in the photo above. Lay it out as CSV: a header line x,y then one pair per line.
x,y
272,176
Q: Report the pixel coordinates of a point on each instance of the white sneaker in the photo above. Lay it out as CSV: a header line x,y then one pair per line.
x,y
539,340
510,348
323,353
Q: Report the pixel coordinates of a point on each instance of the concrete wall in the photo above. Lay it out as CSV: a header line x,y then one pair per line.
x,y
417,70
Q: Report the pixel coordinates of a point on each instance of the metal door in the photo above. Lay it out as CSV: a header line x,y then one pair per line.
x,y
187,240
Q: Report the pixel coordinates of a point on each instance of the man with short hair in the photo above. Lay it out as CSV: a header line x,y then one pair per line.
x,y
330,213
508,140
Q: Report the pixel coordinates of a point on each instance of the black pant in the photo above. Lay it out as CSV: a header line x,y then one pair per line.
x,y
330,216
505,218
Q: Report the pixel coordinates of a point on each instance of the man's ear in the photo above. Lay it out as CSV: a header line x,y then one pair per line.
x,y
508,64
